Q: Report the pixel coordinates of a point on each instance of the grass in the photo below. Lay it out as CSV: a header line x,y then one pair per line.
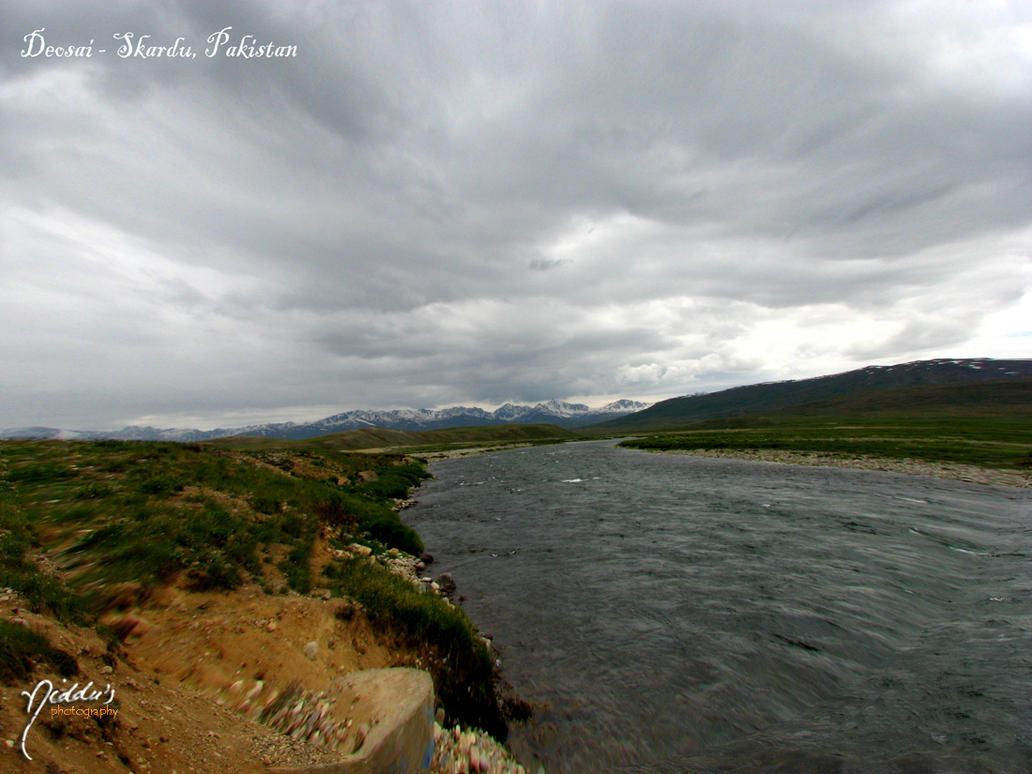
x,y
984,441
148,512
44,593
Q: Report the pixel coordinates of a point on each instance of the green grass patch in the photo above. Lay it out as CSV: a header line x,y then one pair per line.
x,y
460,665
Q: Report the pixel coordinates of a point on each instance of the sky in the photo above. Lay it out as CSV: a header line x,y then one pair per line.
x,y
427,204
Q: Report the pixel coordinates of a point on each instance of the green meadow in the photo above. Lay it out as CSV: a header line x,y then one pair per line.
x,y
987,442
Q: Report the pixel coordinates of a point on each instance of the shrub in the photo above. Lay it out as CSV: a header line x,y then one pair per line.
x,y
296,567
160,485
43,592
395,481
93,491
38,472
390,531
21,647
461,665
264,504
47,593
213,573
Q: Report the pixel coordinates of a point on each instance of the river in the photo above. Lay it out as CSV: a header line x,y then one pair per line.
x,y
670,613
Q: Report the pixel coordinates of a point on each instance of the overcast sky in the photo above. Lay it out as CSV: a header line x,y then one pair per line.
x,y
440,203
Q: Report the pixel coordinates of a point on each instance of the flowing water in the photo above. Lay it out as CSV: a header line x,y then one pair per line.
x,y
671,613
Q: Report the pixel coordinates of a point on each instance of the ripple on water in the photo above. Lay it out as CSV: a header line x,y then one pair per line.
x,y
672,613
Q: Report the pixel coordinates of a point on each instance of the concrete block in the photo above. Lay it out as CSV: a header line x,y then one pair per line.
x,y
398,710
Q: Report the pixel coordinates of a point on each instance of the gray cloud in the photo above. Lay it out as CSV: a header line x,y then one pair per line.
x,y
474,202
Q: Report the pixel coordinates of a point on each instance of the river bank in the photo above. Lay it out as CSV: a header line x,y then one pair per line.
x,y
946,470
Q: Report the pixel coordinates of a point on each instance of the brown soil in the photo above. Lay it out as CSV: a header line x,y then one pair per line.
x,y
190,679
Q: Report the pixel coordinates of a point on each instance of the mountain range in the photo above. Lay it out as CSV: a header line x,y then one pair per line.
x,y
567,415
872,383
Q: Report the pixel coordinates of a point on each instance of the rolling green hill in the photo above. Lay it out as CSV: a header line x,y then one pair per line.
x,y
1009,398
875,383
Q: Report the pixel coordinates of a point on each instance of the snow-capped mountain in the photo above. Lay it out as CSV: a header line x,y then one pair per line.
x,y
569,415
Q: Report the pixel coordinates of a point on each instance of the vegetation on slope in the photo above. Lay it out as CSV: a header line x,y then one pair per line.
x,y
89,526
1004,398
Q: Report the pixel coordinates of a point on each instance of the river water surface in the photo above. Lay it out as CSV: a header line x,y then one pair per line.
x,y
672,613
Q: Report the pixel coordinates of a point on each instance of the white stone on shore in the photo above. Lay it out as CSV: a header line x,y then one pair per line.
x,y
471,752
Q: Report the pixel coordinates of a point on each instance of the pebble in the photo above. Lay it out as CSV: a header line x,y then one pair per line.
x,y
471,752
447,583
306,716
404,566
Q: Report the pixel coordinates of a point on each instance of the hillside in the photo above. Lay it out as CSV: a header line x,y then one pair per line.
x,y
223,594
760,398
1005,398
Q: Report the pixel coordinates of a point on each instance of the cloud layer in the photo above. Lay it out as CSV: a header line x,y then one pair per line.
x,y
440,203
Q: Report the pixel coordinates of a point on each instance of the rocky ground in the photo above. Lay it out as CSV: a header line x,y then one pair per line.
x,y
459,751
241,681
